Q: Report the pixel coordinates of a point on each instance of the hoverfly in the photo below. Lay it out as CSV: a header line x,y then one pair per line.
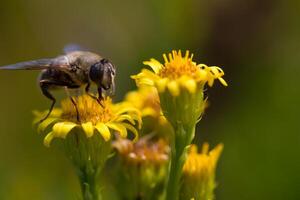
x,y
73,70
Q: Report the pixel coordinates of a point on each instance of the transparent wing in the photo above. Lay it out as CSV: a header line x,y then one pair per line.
x,y
40,64
73,47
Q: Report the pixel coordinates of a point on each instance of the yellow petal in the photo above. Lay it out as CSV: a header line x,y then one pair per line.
x,y
165,58
170,57
216,152
138,118
205,148
144,81
210,82
149,112
125,117
48,139
161,84
141,80
203,75
146,77
174,88
223,81
56,112
103,130
119,128
154,64
190,85
217,71
43,125
187,52
193,149
62,129
127,109
148,73
88,128
133,130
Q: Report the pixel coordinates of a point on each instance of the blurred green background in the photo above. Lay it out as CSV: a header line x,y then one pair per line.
x,y
257,43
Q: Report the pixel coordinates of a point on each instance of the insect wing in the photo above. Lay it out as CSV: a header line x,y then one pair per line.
x,y
38,64
69,48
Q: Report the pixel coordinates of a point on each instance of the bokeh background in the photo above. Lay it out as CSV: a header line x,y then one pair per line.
x,y
256,42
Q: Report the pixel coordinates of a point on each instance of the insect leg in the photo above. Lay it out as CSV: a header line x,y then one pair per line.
x,y
100,97
45,90
74,103
87,90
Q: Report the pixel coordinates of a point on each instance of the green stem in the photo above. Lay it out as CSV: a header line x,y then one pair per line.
x,y
174,178
89,181
183,138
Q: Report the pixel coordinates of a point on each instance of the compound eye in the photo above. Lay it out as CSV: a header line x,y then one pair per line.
x,y
113,71
96,72
106,79
107,64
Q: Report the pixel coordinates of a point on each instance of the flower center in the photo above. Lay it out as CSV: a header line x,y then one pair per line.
x,y
88,108
177,66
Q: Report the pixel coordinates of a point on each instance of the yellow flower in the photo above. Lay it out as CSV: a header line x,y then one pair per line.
x,y
199,172
178,73
143,164
180,83
143,152
87,143
94,119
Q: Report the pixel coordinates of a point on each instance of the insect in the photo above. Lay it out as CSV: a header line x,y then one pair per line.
x,y
73,70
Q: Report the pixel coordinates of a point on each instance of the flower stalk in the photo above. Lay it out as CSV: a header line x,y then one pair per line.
x,y
178,156
88,156
170,99
89,182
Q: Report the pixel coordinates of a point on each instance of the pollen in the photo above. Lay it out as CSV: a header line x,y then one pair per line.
x,y
177,66
89,110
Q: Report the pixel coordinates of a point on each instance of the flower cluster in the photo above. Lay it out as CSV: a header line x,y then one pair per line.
x,y
155,161
180,84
